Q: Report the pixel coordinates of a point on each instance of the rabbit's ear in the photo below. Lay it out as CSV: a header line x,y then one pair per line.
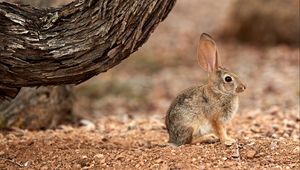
x,y
208,56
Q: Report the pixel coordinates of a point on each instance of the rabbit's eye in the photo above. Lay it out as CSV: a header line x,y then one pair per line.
x,y
228,79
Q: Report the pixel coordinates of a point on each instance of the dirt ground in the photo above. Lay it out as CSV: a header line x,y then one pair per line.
x,y
265,140
122,111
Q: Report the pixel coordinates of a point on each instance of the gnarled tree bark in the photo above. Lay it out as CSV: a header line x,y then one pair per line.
x,y
68,45
71,44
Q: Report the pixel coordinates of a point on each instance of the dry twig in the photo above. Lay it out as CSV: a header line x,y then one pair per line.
x,y
237,151
12,161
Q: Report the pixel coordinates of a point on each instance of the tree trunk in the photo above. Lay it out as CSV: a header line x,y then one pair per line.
x,y
37,108
68,45
71,44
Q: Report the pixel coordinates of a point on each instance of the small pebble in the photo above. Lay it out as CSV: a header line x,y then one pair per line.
x,y
255,129
275,127
44,167
103,161
250,153
99,156
26,164
297,150
274,110
159,161
235,155
88,125
274,145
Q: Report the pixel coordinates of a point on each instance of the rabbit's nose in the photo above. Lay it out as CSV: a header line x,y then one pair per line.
x,y
240,88
244,87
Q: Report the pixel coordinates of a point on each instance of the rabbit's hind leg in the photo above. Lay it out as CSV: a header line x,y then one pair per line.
x,y
182,135
208,138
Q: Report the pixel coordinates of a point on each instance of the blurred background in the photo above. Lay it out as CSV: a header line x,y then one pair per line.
x,y
257,39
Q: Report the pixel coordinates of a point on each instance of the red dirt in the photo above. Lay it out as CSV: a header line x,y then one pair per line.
x,y
122,142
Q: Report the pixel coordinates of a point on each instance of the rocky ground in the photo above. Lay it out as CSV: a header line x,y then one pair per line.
x,y
267,139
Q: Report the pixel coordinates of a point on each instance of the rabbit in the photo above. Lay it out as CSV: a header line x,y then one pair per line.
x,y
199,114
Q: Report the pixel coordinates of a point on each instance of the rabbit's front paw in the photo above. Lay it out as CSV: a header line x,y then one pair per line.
x,y
229,141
